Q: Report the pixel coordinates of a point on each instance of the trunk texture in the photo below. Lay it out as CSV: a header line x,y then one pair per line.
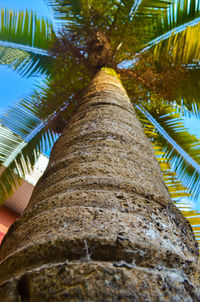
x,y
100,225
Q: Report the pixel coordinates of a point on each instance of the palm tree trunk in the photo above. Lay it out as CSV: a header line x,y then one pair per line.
x,y
100,225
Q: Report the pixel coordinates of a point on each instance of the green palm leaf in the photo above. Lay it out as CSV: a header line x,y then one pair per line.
x,y
179,16
182,47
25,29
187,93
26,63
27,39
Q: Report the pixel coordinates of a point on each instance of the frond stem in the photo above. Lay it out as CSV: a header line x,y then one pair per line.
x,y
174,31
32,49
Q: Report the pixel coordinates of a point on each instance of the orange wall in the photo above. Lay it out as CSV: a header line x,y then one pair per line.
x,y
7,217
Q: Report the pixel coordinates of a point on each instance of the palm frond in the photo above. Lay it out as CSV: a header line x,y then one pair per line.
x,y
8,181
23,136
193,216
175,187
25,28
22,160
182,47
193,112
27,39
187,93
26,63
179,146
179,16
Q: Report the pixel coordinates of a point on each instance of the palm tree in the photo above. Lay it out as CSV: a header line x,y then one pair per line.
x,y
100,224
25,40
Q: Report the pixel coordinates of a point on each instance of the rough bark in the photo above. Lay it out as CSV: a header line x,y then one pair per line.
x,y
100,225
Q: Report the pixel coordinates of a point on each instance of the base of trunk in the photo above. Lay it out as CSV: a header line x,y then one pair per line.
x,y
94,281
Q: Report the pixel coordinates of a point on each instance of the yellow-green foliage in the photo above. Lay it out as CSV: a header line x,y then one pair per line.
x,y
111,71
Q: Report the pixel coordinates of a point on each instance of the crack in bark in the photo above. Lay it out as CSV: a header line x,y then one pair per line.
x,y
110,104
23,289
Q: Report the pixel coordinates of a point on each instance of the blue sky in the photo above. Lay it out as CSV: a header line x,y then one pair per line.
x,y
13,87
193,125
36,5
